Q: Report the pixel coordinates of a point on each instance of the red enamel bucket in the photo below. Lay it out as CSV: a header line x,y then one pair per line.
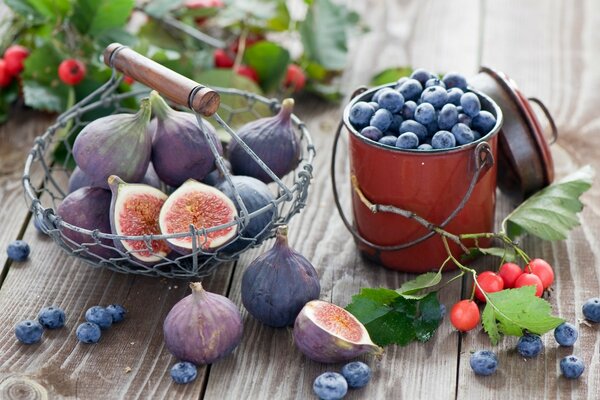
x,y
454,189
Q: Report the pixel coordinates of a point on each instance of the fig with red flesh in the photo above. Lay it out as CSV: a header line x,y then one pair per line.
x,y
273,140
180,148
327,333
79,179
202,206
134,211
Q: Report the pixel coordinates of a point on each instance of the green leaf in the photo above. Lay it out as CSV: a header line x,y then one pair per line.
x,y
270,62
158,8
421,282
281,21
429,317
390,75
488,321
42,89
95,16
392,328
552,212
508,253
40,10
43,97
7,96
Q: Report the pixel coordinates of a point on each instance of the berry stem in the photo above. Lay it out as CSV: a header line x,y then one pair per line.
x,y
239,57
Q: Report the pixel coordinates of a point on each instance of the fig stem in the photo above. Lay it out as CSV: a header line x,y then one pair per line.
x,y
159,106
282,233
287,106
197,290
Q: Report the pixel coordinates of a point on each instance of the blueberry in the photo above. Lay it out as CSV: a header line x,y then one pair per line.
x,y
484,122
18,250
421,75
462,133
357,374
448,117
100,316
407,140
425,147
465,119
443,140
88,332
330,386
435,82
117,312
591,309
433,127
476,135
411,89
395,125
375,97
388,140
391,100
424,113
566,334
414,127
408,110
572,367
184,372
470,104
374,104
400,81
454,79
51,317
382,119
529,345
360,114
454,95
483,362
371,132
29,331
435,95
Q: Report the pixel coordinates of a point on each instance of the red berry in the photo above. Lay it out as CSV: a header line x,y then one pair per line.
x,y
248,72
490,282
528,279
71,71
222,59
5,76
509,272
14,56
464,315
128,80
542,269
294,78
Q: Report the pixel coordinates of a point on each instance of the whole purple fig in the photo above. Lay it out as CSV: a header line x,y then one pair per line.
x,y
279,283
273,140
203,327
79,179
180,150
118,144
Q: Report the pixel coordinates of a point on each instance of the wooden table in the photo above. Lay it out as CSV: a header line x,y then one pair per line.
x,y
549,47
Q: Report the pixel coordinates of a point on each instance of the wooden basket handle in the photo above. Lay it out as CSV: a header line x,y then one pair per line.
x,y
169,83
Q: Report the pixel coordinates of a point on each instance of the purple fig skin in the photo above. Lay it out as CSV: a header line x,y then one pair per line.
x,y
151,178
323,346
118,144
79,179
180,150
88,208
203,327
273,140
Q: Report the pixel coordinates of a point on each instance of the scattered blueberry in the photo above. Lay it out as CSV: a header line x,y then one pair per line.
x,y
591,309
454,95
483,362
330,386
408,110
454,79
424,113
572,367
566,334
465,119
51,317
463,134
388,140
391,100
357,374
425,147
529,345
421,75
436,96
411,89
414,127
448,117
470,104
374,104
88,332
407,140
184,372
435,82
100,316
18,250
371,132
395,125
117,312
360,114
29,331
443,140
484,122
382,119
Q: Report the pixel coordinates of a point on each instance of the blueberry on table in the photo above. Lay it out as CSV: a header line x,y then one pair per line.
x,y
448,117
566,334
407,140
591,309
371,132
184,372
435,95
117,312
408,110
414,127
357,374
382,119
462,133
529,345
18,250
388,140
330,386
29,331
572,367
424,113
454,95
454,79
483,362
435,82
51,317
443,140
470,104
88,332
99,316
421,75
391,100
411,90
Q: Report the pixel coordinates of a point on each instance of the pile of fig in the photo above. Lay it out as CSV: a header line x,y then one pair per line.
x,y
138,178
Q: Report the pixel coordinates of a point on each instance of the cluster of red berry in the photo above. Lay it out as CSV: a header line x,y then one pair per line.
x,y
465,314
11,64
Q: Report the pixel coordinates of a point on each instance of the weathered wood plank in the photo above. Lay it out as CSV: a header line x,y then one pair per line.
x,y
555,61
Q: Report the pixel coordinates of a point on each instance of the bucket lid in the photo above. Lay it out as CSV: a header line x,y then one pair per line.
x,y
525,162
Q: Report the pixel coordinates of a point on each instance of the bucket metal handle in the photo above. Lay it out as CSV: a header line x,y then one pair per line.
x,y
482,157
546,112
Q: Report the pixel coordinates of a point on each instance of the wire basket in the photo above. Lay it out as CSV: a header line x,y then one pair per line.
x,y
45,181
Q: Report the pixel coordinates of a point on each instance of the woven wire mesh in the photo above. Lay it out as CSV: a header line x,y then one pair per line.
x,y
98,248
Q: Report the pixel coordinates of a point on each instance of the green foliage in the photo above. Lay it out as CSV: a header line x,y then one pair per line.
x,y
270,62
390,75
412,288
96,16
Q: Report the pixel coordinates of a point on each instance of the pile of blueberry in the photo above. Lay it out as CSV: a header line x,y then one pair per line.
x,y
30,331
423,112
99,318
334,386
